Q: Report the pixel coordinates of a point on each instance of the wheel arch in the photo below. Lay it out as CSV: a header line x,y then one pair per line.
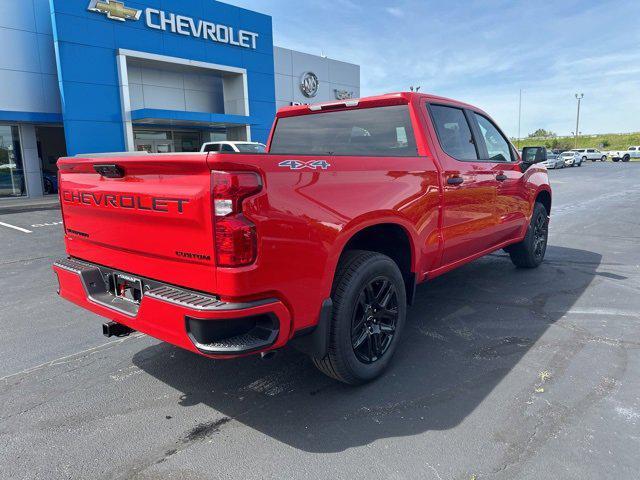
x,y
544,197
385,237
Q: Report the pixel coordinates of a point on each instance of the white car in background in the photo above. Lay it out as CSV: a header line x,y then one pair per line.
x,y
571,158
234,147
625,155
591,154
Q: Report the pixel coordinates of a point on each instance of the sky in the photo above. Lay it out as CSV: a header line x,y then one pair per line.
x,y
484,52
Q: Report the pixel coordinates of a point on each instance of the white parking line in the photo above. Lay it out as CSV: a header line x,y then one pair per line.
x,y
20,229
50,224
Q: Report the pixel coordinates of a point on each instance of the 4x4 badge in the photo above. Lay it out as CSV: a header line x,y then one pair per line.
x,y
298,165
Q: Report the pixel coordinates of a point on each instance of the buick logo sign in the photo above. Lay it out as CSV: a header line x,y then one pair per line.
x,y
309,84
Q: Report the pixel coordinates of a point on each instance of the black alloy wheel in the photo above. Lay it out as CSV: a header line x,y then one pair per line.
x,y
540,236
375,316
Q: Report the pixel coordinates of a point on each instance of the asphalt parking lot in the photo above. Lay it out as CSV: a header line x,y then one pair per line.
x,y
503,373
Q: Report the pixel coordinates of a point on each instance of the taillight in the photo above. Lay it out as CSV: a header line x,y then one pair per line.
x,y
235,236
64,225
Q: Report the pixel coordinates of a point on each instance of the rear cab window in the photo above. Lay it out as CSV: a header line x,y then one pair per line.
x,y
373,132
454,132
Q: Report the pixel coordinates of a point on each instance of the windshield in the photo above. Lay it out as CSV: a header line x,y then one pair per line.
x,y
251,147
381,131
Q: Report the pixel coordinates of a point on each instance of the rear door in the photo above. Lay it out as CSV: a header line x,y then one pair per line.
x,y
469,185
511,205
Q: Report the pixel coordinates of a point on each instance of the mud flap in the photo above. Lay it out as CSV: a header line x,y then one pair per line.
x,y
315,341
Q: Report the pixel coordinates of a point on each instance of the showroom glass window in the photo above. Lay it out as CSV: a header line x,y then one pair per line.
x,y
375,132
12,182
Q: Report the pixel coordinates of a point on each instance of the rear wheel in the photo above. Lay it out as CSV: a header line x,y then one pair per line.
x,y
604,158
370,305
530,252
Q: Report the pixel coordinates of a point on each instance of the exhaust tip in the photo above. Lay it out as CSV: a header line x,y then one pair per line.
x,y
114,329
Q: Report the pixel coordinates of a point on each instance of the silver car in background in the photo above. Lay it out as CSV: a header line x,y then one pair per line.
x,y
554,160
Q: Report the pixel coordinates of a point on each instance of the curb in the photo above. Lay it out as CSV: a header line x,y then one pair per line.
x,y
8,209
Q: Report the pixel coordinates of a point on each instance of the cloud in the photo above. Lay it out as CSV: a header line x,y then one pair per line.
x,y
483,52
395,11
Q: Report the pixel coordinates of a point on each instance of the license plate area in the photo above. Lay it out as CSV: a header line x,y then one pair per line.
x,y
126,288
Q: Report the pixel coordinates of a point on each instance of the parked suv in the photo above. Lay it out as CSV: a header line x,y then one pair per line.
x,y
318,244
571,158
625,155
591,154
234,147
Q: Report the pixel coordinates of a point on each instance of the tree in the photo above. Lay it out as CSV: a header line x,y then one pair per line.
x,y
542,133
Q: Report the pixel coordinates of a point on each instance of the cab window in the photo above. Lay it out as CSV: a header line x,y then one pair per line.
x,y
453,132
497,146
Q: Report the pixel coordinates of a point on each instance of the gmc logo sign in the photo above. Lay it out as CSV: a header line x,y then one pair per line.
x,y
125,200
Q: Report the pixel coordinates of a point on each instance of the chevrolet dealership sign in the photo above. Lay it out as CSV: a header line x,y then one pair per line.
x,y
160,20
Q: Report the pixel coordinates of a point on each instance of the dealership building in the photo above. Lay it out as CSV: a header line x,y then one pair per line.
x,y
92,76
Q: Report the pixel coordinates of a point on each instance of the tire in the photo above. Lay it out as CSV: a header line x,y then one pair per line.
x,y
603,159
359,315
626,158
616,160
584,159
530,252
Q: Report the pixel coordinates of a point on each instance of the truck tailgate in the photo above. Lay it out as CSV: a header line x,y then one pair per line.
x,y
148,215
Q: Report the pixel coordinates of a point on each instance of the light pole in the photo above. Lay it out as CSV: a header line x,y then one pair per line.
x,y
579,97
519,117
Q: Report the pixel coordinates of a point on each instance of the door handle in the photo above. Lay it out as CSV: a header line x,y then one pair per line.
x,y
501,177
455,180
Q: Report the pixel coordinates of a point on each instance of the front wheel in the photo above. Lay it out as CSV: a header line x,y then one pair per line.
x,y
369,311
626,158
604,158
529,253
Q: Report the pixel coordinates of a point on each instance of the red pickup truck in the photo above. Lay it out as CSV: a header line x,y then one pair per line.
x,y
318,243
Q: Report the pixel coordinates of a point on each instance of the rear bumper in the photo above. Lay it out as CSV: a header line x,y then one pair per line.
x,y
188,319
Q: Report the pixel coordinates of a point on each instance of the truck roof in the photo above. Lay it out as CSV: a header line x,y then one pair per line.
x,y
397,98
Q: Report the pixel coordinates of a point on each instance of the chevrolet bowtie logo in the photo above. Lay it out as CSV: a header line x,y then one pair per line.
x,y
114,10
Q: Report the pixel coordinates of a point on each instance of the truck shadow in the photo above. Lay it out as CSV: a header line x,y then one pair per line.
x,y
466,332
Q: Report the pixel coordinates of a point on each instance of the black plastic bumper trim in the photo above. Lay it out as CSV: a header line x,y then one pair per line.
x,y
260,337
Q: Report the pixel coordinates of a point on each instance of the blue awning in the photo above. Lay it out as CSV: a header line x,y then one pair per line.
x,y
177,117
33,117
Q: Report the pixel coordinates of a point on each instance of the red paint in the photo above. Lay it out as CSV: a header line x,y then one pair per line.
x,y
158,221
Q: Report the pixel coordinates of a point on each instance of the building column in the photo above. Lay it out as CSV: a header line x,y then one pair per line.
x,y
30,161
125,103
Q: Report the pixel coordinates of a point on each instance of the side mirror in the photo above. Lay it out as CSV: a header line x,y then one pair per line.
x,y
532,155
